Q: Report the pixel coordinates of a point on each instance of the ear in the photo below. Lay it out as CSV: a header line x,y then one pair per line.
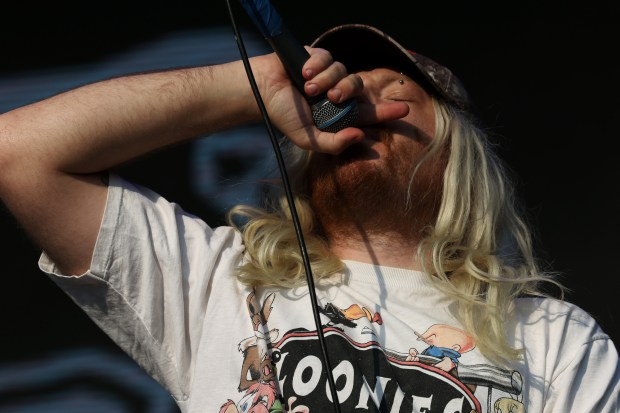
x,y
249,301
267,306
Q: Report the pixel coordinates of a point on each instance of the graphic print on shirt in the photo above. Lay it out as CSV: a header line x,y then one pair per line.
x,y
427,376
258,370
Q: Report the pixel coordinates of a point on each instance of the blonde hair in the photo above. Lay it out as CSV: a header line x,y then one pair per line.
x,y
479,250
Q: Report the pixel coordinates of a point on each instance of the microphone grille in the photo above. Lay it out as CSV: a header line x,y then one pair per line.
x,y
330,117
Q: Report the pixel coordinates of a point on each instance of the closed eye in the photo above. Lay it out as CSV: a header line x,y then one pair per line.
x,y
399,96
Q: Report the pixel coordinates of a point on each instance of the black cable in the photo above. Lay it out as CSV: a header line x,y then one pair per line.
x,y
291,203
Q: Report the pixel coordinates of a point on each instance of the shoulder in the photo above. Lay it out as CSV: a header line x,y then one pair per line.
x,y
536,306
566,346
562,320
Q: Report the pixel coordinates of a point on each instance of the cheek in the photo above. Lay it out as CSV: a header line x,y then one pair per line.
x,y
410,143
427,184
418,125
423,116
432,169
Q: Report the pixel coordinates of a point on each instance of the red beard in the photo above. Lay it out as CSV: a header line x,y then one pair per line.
x,y
357,195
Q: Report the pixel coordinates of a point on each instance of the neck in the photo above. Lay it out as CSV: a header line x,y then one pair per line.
x,y
387,249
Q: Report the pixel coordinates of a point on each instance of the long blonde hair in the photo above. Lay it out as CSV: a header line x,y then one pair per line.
x,y
479,251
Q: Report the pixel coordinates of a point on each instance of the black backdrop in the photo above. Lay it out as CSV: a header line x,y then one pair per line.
x,y
543,75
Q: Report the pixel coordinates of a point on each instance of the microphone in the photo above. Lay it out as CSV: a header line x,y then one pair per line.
x,y
327,116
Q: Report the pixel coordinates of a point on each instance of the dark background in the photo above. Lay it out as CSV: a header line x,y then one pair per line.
x,y
543,75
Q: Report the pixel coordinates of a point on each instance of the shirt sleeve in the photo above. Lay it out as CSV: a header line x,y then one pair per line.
x,y
588,373
148,283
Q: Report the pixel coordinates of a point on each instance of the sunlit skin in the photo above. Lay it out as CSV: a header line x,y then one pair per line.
x,y
359,195
386,85
56,192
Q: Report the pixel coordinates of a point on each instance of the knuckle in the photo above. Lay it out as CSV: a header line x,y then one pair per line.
x,y
357,81
340,68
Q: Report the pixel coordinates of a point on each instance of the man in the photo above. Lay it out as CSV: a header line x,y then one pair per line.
x,y
410,226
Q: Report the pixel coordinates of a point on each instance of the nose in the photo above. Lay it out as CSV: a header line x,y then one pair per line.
x,y
368,94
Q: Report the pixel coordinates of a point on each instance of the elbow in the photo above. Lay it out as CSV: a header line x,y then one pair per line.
x,y
15,166
6,156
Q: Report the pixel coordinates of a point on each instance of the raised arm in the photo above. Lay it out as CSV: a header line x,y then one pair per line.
x,y
52,152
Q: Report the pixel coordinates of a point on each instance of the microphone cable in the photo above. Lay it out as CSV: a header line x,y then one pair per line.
x,y
293,209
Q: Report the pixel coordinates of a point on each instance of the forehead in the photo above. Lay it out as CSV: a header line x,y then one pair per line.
x,y
392,72
387,77
384,85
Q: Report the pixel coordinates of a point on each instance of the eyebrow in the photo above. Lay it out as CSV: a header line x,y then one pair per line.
x,y
392,76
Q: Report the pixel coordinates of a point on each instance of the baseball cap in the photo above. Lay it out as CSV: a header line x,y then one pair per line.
x,y
363,47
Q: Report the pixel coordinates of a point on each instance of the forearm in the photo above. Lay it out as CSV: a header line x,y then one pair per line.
x,y
52,151
97,126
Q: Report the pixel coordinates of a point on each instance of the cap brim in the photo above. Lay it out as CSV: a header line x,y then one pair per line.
x,y
361,47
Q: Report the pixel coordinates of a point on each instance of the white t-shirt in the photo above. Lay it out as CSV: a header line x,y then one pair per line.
x,y
162,286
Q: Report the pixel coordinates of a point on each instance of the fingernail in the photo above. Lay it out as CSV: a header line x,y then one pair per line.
x,y
311,88
335,94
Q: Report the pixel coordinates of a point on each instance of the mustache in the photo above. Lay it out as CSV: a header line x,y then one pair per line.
x,y
322,164
386,136
381,134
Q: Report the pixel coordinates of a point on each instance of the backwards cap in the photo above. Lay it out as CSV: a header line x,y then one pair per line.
x,y
363,47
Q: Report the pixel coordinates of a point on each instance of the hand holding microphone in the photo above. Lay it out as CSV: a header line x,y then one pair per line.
x,y
327,116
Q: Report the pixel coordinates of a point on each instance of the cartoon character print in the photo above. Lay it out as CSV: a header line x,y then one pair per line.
x,y
258,370
257,363
347,317
445,345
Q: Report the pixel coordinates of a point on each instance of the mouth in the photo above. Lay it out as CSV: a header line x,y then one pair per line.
x,y
370,136
360,151
378,134
367,148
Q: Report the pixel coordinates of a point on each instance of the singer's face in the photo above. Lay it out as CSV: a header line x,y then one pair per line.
x,y
409,135
369,181
414,130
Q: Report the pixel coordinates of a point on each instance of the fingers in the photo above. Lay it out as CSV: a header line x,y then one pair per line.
x,y
319,61
372,114
331,143
323,74
369,114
